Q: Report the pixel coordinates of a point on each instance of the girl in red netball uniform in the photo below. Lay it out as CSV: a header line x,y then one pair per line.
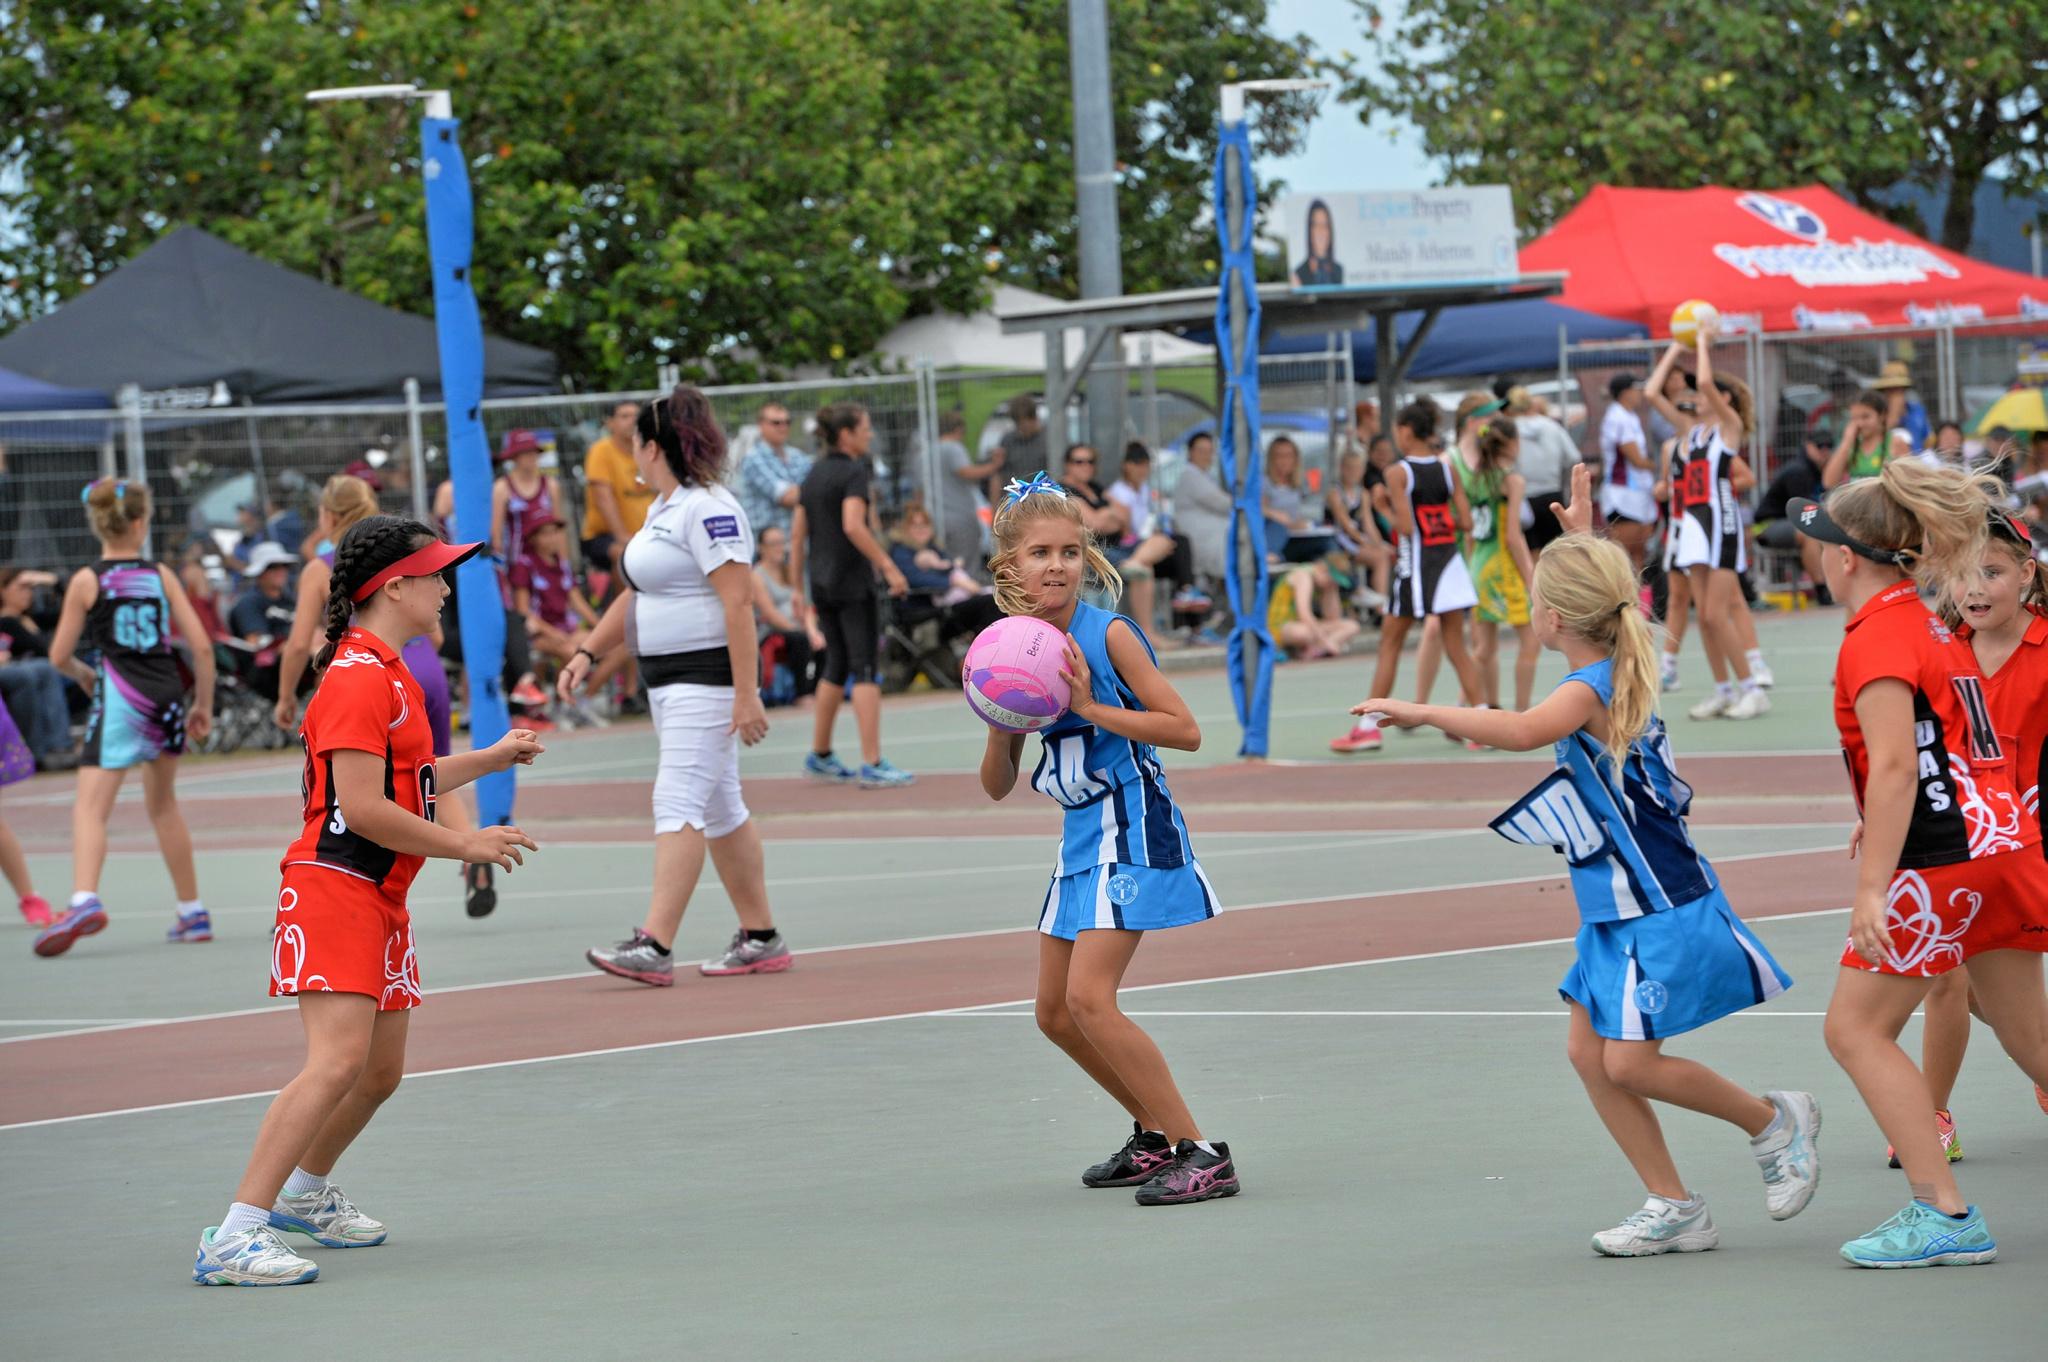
x,y
343,940
1951,870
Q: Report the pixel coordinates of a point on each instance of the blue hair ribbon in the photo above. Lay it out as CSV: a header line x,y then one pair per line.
x,y
1041,484
120,489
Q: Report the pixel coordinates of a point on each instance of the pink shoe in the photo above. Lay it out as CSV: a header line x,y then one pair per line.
x,y
1364,738
35,910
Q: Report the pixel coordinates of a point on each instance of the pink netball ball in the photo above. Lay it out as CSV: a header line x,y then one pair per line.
x,y
1013,677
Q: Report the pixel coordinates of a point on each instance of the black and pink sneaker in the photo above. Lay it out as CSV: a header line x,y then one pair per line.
x,y
1141,1159
1194,1175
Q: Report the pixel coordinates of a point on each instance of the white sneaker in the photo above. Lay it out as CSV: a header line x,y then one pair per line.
x,y
251,1257
327,1217
1748,705
1760,672
1789,1154
1713,707
1662,1226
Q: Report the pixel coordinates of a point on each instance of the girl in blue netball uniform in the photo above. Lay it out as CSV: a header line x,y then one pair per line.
x,y
1126,866
1660,951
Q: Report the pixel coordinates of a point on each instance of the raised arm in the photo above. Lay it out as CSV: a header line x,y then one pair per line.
x,y
1654,390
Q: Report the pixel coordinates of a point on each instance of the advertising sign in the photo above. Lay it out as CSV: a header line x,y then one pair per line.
x,y
1460,235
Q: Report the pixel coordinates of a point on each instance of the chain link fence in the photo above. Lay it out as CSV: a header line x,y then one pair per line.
x,y
217,472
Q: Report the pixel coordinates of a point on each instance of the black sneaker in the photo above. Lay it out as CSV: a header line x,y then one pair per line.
x,y
1140,1160
479,895
1192,1176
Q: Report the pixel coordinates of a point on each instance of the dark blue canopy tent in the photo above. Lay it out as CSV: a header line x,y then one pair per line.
x,y
1483,338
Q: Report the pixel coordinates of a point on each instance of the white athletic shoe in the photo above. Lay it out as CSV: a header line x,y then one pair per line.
x,y
1713,707
1760,672
1789,1153
1662,1226
1668,674
251,1257
1748,705
327,1217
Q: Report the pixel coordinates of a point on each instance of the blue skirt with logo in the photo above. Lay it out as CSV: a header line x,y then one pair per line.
x,y
1662,974
1128,898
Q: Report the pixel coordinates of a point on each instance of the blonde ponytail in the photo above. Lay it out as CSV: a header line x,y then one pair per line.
x,y
1935,516
1592,587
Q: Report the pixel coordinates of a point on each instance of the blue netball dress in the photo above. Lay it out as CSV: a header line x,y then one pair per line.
x,y
138,703
1660,950
1125,859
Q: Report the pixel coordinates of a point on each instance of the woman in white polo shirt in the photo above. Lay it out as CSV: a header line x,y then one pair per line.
x,y
688,614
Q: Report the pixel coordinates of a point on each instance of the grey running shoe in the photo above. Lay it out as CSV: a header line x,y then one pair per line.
x,y
1789,1153
748,956
636,958
1662,1226
327,1217
251,1257
884,775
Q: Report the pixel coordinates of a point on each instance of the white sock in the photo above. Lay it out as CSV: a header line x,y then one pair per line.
x,y
82,897
1750,683
1671,662
1725,689
242,1216
190,907
302,1182
1756,658
1206,1147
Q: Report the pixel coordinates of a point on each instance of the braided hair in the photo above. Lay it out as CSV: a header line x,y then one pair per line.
x,y
370,545
686,431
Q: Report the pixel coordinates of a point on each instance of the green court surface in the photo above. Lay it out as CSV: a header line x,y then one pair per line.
x,y
1421,1170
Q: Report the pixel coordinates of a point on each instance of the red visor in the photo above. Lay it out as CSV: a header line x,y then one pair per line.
x,y
435,557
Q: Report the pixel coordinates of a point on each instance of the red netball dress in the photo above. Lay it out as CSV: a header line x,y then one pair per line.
x,y
342,924
1969,875
2018,694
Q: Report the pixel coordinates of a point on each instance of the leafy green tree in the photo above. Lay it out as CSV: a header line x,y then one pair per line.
x,y
1553,98
737,186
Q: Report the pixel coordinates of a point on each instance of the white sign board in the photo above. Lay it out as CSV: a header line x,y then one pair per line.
x,y
1461,235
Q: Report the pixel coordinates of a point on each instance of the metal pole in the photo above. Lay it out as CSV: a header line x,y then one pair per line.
x,y
418,453
130,398
1149,378
255,450
1095,197
1564,374
928,439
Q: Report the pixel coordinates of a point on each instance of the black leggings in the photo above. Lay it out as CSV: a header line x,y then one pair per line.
x,y
853,633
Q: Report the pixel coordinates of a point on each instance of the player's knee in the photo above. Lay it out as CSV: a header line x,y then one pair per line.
x,y
1628,1064
1054,1021
1846,1038
1090,1008
333,1073
161,801
380,1079
1588,1057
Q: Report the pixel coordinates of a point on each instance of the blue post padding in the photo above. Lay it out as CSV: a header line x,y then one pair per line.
x,y
459,332
1250,654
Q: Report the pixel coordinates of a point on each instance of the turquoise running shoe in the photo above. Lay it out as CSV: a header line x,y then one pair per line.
x,y
1921,1236
885,775
829,769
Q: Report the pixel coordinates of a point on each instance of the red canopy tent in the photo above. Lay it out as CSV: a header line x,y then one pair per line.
x,y
1801,259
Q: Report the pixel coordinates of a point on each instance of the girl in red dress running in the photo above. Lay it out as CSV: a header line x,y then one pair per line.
x,y
343,940
1951,870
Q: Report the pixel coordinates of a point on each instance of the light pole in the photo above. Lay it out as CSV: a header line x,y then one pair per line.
x,y
1250,654
458,333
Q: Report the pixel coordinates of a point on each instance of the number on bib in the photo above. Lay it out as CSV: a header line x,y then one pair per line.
x,y
1482,522
1555,814
1063,771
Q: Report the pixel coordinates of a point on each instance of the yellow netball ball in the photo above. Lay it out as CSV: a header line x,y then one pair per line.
x,y
1689,316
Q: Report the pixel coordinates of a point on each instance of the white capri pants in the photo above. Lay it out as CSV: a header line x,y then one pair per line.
x,y
697,780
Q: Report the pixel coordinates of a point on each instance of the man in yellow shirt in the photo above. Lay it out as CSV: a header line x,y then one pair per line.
x,y
617,500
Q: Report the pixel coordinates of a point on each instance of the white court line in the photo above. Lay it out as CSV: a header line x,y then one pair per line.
x,y
88,1021
1559,1013
856,1021
1003,931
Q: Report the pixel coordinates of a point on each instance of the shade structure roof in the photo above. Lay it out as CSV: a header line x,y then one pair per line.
x,y
194,313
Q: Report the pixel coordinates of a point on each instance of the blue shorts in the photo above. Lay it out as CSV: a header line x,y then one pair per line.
x,y
1129,898
1649,977
138,715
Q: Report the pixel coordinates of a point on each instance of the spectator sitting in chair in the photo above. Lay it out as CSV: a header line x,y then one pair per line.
x,y
1304,613
939,586
1145,544
1110,524
777,614
33,689
545,594
1799,478
263,614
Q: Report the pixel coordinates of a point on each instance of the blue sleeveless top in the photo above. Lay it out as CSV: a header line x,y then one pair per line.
x,y
1118,809
1622,832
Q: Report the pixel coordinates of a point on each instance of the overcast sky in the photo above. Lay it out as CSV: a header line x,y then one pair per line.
x,y
1341,154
